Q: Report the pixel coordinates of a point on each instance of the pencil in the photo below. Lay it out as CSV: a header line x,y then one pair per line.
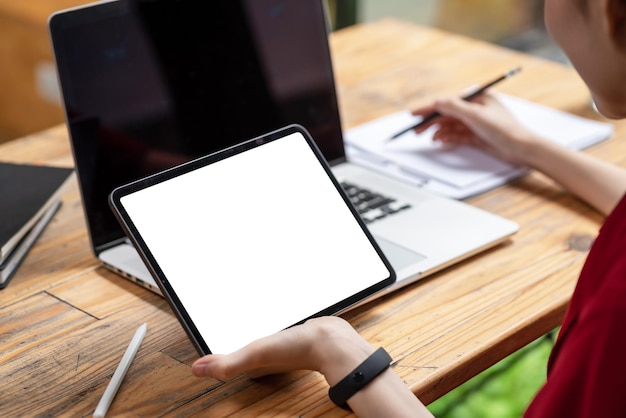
x,y
430,117
120,372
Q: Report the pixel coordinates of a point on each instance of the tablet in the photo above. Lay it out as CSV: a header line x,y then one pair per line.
x,y
251,240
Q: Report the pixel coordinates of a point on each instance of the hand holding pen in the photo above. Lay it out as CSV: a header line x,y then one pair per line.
x,y
434,115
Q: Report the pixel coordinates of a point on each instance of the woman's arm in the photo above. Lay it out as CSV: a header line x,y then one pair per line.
x,y
328,345
599,183
487,124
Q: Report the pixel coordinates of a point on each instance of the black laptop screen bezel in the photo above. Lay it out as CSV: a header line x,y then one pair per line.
x,y
109,147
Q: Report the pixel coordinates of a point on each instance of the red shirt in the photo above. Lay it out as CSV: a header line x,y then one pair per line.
x,y
587,366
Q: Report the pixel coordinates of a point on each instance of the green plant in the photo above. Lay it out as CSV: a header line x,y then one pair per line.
x,y
502,391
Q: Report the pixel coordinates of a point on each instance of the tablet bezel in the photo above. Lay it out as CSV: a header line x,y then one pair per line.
x,y
152,264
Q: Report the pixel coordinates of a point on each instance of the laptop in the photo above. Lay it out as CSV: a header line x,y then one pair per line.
x,y
219,241
149,84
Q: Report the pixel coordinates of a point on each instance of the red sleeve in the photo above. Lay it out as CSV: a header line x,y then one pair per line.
x,y
586,377
588,363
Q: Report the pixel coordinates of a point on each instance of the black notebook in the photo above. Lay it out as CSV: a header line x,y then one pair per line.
x,y
26,193
14,259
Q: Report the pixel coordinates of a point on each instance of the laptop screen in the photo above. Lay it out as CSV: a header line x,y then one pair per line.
x,y
149,84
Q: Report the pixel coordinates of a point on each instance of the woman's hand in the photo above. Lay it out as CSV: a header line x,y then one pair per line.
x,y
483,122
328,345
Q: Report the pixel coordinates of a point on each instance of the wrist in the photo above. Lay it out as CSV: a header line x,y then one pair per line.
x,y
342,360
531,149
338,349
359,378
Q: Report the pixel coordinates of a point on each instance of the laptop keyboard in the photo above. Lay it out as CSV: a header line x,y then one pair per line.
x,y
372,206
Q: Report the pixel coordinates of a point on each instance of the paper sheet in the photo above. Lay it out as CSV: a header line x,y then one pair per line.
x,y
464,170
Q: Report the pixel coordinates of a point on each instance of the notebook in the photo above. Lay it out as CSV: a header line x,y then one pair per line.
x,y
258,230
27,191
463,171
10,264
148,84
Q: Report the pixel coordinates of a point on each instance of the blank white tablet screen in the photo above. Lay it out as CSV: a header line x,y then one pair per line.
x,y
256,242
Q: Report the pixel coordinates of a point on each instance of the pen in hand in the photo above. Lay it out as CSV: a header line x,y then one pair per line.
x,y
430,117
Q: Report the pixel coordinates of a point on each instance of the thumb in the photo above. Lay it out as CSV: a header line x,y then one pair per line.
x,y
213,365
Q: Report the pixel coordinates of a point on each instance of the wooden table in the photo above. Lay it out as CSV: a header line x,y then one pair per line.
x,y
65,321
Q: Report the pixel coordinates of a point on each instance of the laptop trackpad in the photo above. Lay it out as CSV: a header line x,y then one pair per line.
x,y
399,257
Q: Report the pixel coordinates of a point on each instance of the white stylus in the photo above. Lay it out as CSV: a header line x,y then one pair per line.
x,y
120,372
